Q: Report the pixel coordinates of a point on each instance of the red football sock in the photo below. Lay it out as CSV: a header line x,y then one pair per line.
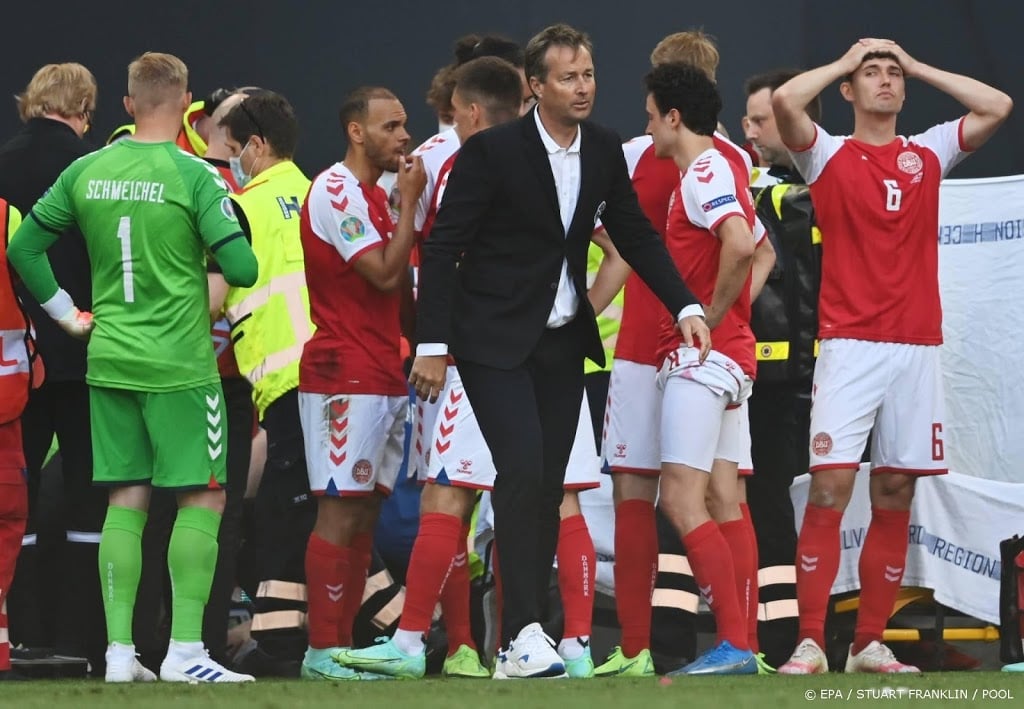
x,y
636,568
754,600
361,551
327,568
577,564
882,561
455,598
712,565
431,560
735,535
817,563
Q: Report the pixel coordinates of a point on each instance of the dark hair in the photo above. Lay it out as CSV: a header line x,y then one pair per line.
x,y
494,84
687,89
560,35
775,78
268,115
356,105
467,48
872,55
491,45
216,97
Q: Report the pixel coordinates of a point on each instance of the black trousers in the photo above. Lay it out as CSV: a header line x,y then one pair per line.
x,y
780,419
285,513
528,417
240,413
58,568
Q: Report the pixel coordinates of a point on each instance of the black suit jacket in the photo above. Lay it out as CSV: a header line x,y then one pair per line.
x,y
491,265
30,163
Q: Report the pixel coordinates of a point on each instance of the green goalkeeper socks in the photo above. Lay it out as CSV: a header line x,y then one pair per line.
x,y
120,557
191,558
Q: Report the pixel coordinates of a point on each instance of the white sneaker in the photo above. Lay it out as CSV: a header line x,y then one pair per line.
x,y
879,659
190,662
124,666
807,659
531,654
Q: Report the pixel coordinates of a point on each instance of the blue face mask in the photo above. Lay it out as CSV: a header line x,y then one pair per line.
x,y
242,177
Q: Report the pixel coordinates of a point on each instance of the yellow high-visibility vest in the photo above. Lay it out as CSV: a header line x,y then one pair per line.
x,y
188,139
609,320
270,320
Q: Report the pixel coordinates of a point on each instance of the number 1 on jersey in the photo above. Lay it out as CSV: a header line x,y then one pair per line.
x,y
893,195
124,235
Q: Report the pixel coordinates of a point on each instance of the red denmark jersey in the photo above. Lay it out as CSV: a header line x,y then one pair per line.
x,y
355,349
435,152
655,179
878,210
440,182
712,190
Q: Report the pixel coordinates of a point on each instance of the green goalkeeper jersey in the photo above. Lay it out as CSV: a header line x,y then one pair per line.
x,y
149,212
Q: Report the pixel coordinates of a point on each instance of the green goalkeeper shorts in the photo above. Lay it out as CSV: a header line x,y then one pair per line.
x,y
169,439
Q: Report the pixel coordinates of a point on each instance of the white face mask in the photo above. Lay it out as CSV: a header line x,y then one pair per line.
x,y
242,177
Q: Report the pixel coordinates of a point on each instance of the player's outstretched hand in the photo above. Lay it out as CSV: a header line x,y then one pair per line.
x,y
412,178
427,376
693,327
76,323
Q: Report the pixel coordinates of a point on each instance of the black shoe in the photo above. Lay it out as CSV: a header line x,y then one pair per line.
x,y
20,652
664,662
259,664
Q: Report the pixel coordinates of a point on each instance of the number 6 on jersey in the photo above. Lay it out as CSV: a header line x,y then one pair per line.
x,y
124,234
893,195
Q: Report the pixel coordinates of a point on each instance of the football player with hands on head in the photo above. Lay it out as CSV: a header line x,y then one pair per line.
x,y
876,197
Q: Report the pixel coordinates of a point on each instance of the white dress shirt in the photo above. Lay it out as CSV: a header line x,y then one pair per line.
x,y
565,168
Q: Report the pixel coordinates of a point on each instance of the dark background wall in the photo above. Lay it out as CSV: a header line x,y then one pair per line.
x,y
314,51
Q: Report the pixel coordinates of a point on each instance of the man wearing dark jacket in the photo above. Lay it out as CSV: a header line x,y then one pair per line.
x,y
56,108
501,286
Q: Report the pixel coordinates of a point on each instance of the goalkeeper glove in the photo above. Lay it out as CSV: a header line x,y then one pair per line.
x,y
71,320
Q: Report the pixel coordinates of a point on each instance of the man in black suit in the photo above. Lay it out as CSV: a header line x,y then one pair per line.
x,y
56,109
503,289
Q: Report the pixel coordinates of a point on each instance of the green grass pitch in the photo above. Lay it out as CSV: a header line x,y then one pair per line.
x,y
960,689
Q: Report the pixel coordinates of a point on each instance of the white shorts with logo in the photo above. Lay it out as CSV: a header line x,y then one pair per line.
x,y
894,388
632,420
449,448
701,421
354,442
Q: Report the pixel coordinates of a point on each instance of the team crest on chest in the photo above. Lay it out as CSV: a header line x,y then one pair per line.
x,y
909,162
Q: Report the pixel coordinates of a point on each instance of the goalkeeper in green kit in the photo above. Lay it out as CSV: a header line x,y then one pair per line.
x,y
150,214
